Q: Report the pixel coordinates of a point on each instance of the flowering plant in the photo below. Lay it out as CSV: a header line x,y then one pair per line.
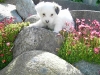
x,y
83,43
8,32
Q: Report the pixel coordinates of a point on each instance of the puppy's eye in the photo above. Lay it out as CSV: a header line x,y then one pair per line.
x,y
51,14
43,14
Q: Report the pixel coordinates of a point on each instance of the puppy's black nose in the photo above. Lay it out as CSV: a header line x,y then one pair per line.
x,y
47,21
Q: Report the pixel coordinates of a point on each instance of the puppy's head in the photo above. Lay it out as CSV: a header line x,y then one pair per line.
x,y
48,11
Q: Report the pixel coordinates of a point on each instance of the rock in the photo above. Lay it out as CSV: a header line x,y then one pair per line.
x,y
25,8
75,5
85,14
11,1
8,11
90,2
88,68
36,38
39,63
32,19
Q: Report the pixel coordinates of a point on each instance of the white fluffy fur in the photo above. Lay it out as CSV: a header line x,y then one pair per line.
x,y
56,21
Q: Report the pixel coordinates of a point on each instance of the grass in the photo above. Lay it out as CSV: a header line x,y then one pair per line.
x,y
8,34
83,44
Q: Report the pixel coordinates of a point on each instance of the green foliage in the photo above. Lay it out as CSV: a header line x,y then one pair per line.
x,y
1,1
74,53
7,37
83,44
98,2
77,0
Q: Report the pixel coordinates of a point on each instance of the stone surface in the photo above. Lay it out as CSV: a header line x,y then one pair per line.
x,y
36,38
15,1
88,68
86,14
11,1
75,5
32,19
8,11
39,63
25,8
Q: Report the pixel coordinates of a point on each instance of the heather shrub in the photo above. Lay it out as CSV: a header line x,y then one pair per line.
x,y
82,44
8,33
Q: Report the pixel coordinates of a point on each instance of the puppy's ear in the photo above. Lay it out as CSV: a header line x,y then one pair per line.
x,y
39,6
57,8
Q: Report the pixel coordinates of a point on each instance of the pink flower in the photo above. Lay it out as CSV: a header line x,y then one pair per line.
x,y
79,33
96,50
73,43
1,55
76,38
81,27
78,20
99,35
64,29
91,37
67,23
3,35
89,20
84,32
93,32
8,43
82,19
72,28
87,26
3,61
82,23
86,38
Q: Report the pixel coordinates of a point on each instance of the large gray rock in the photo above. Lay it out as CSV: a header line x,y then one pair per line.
x,y
25,8
31,38
88,68
15,1
32,19
85,14
75,5
8,11
39,63
90,2
11,1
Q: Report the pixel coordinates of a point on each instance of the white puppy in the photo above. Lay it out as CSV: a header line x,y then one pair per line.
x,y
53,17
